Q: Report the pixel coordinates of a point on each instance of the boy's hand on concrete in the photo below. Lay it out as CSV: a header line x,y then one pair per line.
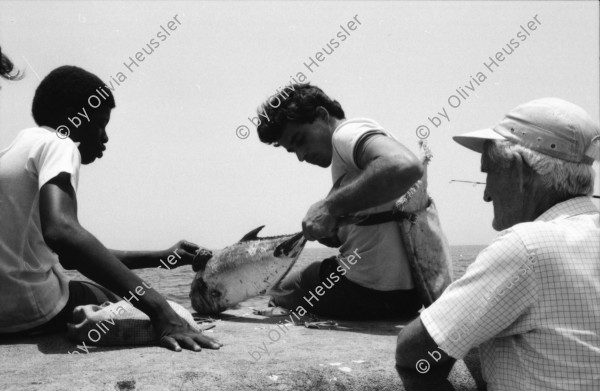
x,y
175,333
319,222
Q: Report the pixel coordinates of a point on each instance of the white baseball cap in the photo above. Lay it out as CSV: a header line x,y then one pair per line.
x,y
551,126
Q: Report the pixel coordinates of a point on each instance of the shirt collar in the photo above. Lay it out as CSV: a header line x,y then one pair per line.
x,y
571,207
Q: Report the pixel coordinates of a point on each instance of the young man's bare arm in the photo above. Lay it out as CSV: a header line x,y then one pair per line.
x,y
389,171
82,251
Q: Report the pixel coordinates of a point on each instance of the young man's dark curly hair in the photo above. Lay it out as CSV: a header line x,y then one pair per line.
x,y
300,107
7,69
66,87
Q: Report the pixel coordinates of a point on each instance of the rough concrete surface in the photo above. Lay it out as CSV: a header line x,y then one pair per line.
x,y
259,353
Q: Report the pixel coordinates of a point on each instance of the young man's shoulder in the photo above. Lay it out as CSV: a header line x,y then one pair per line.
x,y
353,130
354,125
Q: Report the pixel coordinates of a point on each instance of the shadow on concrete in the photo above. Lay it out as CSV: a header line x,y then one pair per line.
x,y
56,343
243,313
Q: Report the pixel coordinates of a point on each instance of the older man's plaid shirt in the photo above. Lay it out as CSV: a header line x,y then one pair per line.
x,y
531,300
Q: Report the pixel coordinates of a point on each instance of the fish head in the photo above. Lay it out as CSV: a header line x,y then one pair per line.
x,y
207,298
248,268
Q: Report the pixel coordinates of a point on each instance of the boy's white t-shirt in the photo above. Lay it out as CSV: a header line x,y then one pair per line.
x,y
33,288
383,263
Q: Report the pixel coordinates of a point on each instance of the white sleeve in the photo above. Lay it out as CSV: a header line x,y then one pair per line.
x,y
497,290
348,139
53,155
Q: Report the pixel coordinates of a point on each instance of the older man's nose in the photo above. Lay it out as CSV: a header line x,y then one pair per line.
x,y
486,196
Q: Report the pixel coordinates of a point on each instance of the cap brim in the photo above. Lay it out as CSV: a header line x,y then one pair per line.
x,y
475,140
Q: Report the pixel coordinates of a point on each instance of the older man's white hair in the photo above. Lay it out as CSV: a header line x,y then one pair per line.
x,y
565,179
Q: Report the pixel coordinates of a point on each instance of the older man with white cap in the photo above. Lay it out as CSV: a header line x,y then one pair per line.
x,y
531,299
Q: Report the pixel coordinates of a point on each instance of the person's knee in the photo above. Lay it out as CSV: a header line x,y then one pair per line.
x,y
287,301
296,286
289,292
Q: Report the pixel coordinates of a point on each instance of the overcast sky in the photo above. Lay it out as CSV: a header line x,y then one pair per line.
x,y
174,167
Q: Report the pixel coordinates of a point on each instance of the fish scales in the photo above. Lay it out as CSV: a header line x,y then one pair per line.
x,y
251,267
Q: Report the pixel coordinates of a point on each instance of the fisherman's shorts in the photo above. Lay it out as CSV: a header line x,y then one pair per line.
x,y
343,299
